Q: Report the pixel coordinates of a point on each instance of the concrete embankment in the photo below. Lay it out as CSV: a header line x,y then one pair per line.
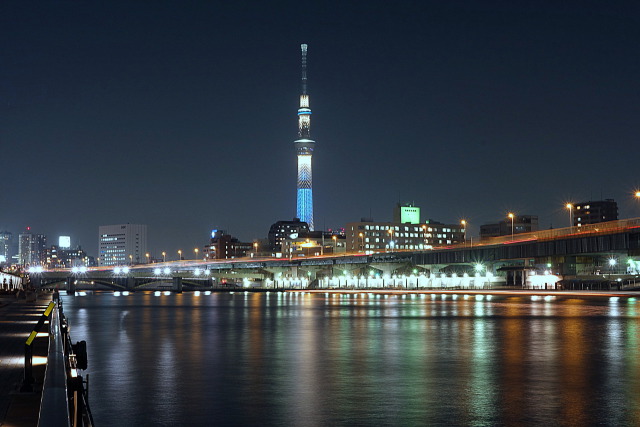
x,y
17,319
496,292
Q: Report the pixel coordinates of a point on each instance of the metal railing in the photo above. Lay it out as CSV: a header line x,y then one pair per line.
x,y
54,404
609,227
64,393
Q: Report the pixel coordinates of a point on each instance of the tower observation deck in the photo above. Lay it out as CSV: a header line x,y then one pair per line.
x,y
304,149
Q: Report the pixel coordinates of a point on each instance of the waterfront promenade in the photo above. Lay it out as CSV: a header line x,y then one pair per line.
x,y
17,319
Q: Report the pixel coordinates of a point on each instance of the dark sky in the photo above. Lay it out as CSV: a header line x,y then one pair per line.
x,y
182,115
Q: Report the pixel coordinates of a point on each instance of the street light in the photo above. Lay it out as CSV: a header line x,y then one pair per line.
x,y
361,242
424,231
512,216
180,255
464,230
147,255
196,251
164,257
130,259
390,231
570,207
255,248
335,243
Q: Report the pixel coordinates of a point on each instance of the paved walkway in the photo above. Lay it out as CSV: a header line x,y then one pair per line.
x,y
17,320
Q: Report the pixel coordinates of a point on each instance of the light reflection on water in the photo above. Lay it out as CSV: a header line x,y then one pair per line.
x,y
326,359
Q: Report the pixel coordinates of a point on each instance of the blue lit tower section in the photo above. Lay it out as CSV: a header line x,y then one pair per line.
x,y
304,148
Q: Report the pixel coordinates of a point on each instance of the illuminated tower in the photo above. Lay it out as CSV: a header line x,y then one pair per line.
x,y
304,148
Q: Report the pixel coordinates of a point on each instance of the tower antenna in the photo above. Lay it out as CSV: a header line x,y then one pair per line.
x,y
303,47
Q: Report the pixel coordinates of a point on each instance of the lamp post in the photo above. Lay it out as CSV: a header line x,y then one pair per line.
x,y
464,230
255,248
196,251
335,243
512,216
424,232
390,231
130,259
164,257
361,242
570,207
638,195
180,255
147,255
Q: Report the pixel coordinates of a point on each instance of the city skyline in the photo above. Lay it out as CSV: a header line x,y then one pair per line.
x,y
175,116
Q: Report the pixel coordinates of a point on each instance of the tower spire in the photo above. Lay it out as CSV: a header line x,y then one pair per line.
x,y
304,148
303,47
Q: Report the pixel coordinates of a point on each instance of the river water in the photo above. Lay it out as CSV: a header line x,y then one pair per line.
x,y
292,359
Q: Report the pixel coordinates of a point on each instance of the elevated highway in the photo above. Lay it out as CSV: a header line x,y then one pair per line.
x,y
567,252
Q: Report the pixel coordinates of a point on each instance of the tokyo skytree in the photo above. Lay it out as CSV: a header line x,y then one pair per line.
x,y
304,148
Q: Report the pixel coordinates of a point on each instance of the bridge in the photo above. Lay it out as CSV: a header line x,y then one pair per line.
x,y
593,253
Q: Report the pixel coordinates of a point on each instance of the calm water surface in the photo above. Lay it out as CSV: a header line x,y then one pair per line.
x,y
294,359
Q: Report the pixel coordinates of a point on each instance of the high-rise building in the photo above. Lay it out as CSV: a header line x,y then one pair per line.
x,y
304,148
122,244
6,243
594,212
25,248
31,248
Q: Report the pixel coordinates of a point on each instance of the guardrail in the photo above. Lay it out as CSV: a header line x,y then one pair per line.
x,y
54,404
64,393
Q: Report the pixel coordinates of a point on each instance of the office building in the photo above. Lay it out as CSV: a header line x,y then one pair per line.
x,y
122,244
282,230
370,236
6,247
224,246
61,257
593,212
31,248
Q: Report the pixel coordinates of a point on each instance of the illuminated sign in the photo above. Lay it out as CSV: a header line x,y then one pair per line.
x,y
410,214
64,242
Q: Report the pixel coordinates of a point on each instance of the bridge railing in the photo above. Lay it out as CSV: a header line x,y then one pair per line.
x,y
609,227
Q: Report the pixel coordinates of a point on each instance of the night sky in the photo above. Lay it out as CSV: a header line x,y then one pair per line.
x,y
182,115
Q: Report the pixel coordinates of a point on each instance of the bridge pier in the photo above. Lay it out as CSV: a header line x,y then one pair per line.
x,y
131,284
177,285
71,285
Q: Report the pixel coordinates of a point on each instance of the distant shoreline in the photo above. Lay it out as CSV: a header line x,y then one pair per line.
x,y
495,292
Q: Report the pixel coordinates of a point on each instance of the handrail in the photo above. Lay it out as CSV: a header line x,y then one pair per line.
x,y
54,406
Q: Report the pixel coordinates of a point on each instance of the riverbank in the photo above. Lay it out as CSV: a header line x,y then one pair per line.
x,y
503,292
17,319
